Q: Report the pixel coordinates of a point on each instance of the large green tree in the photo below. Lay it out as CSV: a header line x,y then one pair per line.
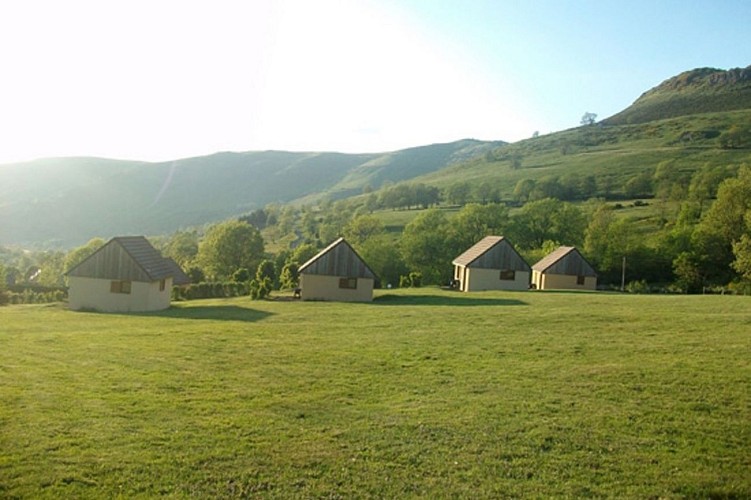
x,y
742,253
548,219
383,256
425,246
229,246
722,227
458,193
52,267
474,222
362,228
303,253
182,247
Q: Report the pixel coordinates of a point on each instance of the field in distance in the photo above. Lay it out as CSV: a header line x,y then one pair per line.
x,y
423,393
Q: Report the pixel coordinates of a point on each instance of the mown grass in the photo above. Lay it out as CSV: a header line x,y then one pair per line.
x,y
423,393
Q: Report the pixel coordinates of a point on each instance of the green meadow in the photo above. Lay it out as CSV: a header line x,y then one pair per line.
x,y
422,393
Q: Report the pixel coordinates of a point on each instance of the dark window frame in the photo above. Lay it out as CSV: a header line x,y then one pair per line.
x,y
348,283
121,286
507,275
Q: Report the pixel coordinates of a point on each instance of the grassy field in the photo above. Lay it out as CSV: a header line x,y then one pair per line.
x,y
423,393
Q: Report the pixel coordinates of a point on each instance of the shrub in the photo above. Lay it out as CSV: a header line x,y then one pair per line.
x,y
30,295
639,286
210,290
260,289
415,279
241,275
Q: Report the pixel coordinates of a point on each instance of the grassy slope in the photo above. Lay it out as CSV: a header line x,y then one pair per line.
x,y
422,393
613,152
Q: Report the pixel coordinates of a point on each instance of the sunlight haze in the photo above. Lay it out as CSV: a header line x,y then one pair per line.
x,y
160,80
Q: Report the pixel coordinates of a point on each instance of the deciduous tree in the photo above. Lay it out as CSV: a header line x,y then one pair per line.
x,y
589,118
474,222
363,227
425,246
229,246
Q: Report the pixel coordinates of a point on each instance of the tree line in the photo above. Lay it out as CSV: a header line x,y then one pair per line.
x,y
704,240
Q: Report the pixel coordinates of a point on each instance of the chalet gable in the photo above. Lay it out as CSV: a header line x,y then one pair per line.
x,y
128,258
338,259
565,260
492,252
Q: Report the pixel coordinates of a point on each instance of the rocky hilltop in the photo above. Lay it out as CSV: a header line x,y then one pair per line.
x,y
702,90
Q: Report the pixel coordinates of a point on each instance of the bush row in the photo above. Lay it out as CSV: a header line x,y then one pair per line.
x,y
208,290
31,297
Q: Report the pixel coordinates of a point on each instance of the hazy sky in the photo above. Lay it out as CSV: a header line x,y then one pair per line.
x,y
167,79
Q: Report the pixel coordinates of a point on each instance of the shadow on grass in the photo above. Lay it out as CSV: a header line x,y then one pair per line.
x,y
437,300
213,313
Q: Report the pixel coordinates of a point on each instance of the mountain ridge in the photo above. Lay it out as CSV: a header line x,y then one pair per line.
x,y
681,121
66,201
695,91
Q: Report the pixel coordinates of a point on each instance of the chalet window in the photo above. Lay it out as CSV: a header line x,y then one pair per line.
x,y
162,284
508,274
580,280
120,287
349,283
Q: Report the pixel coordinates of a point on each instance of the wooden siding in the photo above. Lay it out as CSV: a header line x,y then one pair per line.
x,y
338,259
125,258
565,260
493,252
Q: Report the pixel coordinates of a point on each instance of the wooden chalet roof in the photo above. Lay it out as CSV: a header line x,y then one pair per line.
x,y
178,275
565,260
129,258
492,252
338,259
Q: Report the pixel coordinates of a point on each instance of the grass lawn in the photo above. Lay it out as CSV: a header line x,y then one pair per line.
x,y
423,393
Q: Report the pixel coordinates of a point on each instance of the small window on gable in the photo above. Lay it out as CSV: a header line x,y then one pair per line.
x,y
580,280
162,285
349,283
120,287
508,274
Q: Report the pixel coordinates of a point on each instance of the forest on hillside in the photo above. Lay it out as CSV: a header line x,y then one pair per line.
x,y
695,237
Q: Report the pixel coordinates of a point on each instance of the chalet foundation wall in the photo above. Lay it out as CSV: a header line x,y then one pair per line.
x,y
96,294
489,279
544,281
320,287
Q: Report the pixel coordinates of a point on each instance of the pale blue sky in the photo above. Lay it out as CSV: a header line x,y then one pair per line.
x,y
165,79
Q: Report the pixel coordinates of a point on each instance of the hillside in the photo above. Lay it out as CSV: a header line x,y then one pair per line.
x,y
696,91
606,156
66,201
699,118
686,123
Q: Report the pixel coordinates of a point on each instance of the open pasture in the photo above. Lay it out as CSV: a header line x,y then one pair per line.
x,y
422,393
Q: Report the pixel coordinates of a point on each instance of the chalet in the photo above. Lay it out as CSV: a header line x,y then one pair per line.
x,y
179,278
126,274
491,264
337,273
564,269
